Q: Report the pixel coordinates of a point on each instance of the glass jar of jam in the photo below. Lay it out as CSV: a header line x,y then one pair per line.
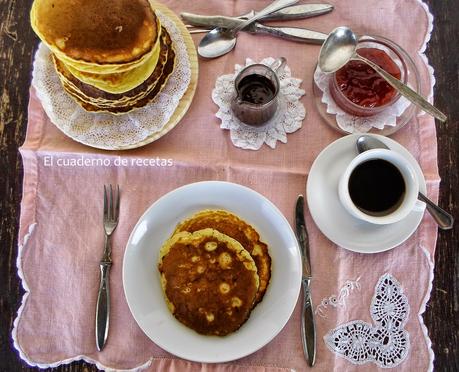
x,y
360,90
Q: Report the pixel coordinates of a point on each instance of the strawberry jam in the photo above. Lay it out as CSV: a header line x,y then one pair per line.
x,y
364,86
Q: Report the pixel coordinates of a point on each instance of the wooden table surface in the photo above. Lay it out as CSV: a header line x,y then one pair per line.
x,y
17,45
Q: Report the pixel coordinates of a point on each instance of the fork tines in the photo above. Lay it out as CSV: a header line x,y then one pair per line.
x,y
111,204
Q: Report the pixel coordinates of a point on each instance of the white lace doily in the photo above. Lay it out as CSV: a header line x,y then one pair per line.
x,y
104,130
357,124
288,118
385,343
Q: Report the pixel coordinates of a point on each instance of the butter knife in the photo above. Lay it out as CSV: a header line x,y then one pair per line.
x,y
288,13
308,328
297,34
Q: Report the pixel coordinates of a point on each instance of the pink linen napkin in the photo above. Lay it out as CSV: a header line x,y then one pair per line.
x,y
60,231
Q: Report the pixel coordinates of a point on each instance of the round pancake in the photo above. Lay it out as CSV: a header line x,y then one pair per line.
x,y
125,107
107,68
96,100
209,280
231,225
96,94
96,32
122,81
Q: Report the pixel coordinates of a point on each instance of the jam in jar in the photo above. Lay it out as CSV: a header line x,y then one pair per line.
x,y
359,90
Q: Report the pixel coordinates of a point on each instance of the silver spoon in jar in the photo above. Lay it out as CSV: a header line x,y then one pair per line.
x,y
340,47
444,220
220,40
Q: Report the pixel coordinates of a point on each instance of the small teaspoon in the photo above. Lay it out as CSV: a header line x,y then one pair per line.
x,y
220,41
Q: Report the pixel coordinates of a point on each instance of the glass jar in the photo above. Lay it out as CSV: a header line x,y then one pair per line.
x,y
394,57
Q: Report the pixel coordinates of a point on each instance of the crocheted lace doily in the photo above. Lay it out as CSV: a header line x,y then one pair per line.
x,y
357,124
288,118
104,130
385,343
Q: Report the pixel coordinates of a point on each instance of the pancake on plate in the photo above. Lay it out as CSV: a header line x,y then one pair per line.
x,y
118,82
97,36
110,55
94,99
231,225
209,280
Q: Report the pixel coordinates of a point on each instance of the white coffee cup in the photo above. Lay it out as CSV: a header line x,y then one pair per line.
x,y
409,197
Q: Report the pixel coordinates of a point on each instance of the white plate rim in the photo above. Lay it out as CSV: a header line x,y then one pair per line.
x,y
260,343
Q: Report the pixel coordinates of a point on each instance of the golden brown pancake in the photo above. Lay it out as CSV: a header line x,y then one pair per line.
x,y
118,82
231,225
210,281
121,109
96,32
94,99
95,94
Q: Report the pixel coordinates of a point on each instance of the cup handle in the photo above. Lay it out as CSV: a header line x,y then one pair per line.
x,y
278,65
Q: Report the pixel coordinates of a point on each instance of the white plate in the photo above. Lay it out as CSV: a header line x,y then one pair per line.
x,y
141,278
331,217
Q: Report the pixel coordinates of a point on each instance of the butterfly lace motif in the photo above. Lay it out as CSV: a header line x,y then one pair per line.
x,y
386,342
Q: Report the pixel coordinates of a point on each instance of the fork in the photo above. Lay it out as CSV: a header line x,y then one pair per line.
x,y
111,214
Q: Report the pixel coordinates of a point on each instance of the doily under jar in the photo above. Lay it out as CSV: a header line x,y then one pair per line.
x,y
133,129
287,119
385,123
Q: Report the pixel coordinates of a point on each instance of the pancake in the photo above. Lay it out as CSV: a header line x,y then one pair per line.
x,y
97,100
209,280
126,107
231,225
95,35
119,82
98,94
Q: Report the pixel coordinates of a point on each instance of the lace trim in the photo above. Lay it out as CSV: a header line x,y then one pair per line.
x,y
338,300
385,343
431,72
357,124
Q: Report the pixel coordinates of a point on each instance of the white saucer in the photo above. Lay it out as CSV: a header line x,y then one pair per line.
x,y
331,217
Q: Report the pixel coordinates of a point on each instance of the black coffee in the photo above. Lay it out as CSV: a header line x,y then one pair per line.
x,y
376,187
256,89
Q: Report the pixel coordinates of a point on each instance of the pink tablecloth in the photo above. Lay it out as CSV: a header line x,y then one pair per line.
x,y
60,232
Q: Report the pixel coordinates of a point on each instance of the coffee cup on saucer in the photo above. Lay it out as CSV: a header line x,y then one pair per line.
x,y
379,186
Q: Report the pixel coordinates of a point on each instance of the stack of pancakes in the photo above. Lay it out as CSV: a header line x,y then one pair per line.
x,y
214,270
110,55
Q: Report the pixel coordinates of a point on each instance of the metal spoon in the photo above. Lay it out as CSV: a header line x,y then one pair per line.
x,y
220,41
444,220
340,47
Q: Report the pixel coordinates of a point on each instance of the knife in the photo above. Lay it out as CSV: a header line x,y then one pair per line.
x,y
297,34
291,33
288,13
308,328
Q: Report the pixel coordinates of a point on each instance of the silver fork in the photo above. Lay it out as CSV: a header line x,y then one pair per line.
x,y
111,214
